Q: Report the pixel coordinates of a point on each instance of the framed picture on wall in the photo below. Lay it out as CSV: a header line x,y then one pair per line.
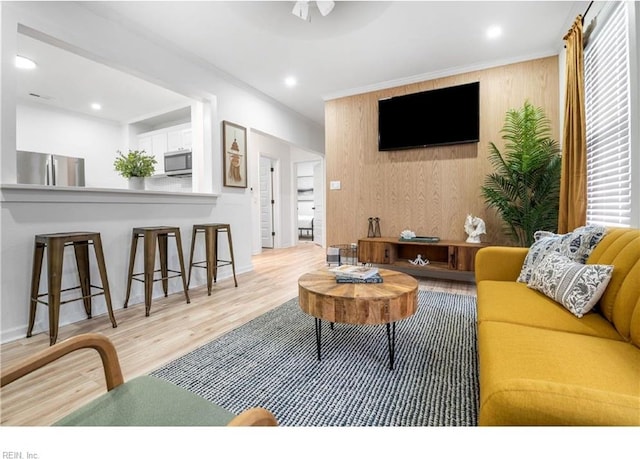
x,y
234,138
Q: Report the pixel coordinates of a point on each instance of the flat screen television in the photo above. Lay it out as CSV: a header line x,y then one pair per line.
x,y
437,117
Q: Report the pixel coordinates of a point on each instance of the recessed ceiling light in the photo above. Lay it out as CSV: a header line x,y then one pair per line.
x,y
25,63
290,81
494,32
96,106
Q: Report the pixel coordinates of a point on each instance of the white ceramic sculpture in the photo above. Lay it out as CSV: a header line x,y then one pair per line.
x,y
419,261
474,227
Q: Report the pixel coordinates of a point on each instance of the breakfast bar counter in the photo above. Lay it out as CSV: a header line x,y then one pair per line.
x,y
43,193
29,210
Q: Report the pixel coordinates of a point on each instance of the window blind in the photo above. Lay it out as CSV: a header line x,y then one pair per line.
x,y
607,107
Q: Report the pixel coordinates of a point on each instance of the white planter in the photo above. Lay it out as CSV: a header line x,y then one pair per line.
x,y
136,183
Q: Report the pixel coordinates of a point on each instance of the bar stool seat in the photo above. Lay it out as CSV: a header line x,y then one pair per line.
x,y
54,244
155,235
211,263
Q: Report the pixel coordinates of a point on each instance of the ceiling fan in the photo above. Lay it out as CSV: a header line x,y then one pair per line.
x,y
301,9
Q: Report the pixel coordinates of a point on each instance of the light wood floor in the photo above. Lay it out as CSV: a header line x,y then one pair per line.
x,y
173,329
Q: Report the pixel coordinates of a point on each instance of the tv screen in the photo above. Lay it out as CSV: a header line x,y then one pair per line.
x,y
437,117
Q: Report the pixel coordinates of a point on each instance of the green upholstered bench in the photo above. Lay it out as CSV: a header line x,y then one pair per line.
x,y
142,401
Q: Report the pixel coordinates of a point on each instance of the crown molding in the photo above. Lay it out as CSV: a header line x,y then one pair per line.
x,y
437,74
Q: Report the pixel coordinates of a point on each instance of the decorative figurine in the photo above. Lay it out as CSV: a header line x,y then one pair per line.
x,y
419,261
371,232
376,227
474,227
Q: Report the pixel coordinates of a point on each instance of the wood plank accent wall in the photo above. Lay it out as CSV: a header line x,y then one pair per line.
x,y
430,190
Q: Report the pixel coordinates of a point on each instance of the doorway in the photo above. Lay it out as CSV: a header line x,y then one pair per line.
x,y
310,201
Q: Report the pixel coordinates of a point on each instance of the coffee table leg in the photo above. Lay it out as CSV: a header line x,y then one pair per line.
x,y
318,335
391,340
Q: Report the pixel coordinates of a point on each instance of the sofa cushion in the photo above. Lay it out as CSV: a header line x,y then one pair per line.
x,y
513,302
533,376
576,286
620,301
148,401
576,245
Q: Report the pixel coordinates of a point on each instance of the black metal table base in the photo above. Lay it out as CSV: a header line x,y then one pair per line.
x,y
391,340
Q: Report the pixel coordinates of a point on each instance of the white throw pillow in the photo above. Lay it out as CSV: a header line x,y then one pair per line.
x,y
576,286
576,245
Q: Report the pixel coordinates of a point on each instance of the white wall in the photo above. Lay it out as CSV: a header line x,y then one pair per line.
x,y
49,130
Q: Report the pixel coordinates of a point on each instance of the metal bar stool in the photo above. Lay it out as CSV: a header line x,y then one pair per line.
x,y
55,244
155,235
212,262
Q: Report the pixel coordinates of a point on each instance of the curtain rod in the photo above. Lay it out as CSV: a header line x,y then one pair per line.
x,y
586,11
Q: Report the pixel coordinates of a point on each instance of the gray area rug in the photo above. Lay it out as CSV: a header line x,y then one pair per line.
x,y
272,362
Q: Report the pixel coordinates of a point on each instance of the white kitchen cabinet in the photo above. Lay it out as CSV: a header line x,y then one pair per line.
x,y
159,148
144,144
154,143
179,139
187,138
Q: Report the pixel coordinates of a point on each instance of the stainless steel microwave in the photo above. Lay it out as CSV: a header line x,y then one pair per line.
x,y
177,163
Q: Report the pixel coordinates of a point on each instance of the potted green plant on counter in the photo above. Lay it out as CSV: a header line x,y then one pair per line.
x,y
525,186
135,166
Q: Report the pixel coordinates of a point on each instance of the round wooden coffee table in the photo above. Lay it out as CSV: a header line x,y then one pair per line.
x,y
360,304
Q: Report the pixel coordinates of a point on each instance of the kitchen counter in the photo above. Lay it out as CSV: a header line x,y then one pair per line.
x,y
44,193
28,210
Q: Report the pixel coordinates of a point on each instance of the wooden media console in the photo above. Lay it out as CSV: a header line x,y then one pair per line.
x,y
447,259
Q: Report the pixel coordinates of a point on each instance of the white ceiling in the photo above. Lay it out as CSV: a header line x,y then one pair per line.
x,y
359,46
66,80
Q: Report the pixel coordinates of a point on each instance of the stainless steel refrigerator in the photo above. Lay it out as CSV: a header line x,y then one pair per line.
x,y
46,169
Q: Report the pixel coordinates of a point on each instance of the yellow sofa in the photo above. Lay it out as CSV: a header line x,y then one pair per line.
x,y
541,365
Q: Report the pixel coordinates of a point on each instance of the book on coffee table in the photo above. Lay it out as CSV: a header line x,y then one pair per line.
x,y
375,279
357,272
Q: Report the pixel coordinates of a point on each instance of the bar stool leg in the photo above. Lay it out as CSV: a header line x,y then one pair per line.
x,y
215,255
55,252
233,264
81,250
149,265
193,245
38,254
132,258
181,259
210,251
102,267
162,249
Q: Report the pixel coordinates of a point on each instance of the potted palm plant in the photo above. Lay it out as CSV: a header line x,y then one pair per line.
x,y
525,186
135,166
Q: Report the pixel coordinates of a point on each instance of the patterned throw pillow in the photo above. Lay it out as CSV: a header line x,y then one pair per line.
x,y
577,246
576,286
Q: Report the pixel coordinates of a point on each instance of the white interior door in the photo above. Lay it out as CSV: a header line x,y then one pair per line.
x,y
266,202
318,203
